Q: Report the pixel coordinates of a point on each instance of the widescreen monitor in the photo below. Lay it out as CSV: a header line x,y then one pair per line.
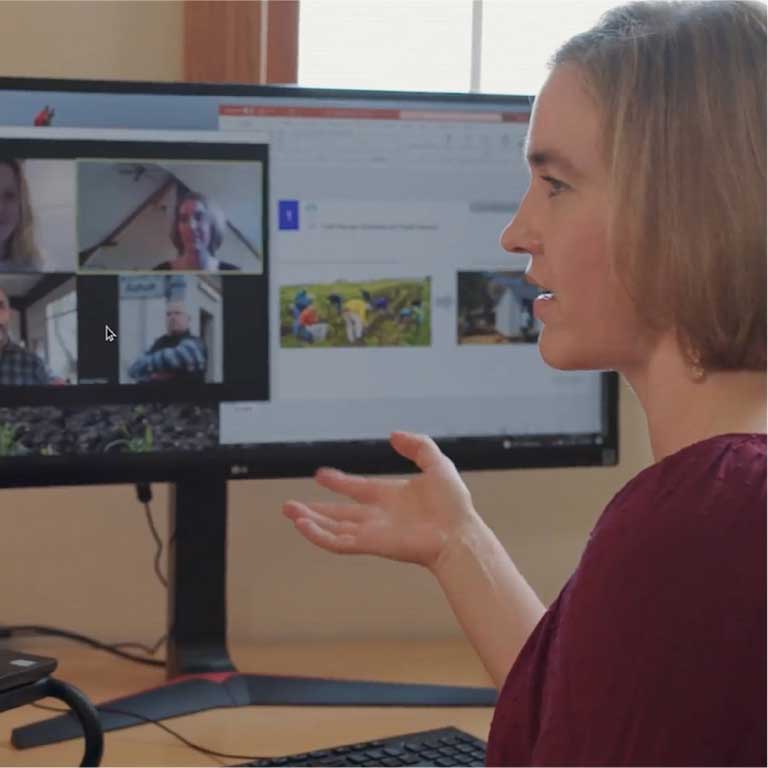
x,y
356,286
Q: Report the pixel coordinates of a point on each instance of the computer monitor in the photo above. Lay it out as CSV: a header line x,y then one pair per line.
x,y
211,282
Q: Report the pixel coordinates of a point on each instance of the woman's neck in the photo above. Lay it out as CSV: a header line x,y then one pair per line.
x,y
194,260
682,410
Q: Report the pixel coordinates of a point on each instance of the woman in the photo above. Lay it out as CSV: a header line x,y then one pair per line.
x,y
197,233
652,204
18,251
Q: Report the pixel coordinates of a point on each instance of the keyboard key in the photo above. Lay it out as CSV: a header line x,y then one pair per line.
x,y
439,747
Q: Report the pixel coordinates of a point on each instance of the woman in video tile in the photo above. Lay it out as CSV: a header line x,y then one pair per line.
x,y
197,233
18,251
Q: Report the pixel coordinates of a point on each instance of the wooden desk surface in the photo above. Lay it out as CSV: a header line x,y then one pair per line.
x,y
257,730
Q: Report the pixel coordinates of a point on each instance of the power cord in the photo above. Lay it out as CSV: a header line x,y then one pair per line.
x,y
144,495
212,752
32,630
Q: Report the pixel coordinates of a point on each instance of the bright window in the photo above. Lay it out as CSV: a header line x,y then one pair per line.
x,y
415,45
519,37
427,44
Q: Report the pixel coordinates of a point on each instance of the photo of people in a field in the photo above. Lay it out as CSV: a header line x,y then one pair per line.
x,y
389,312
496,308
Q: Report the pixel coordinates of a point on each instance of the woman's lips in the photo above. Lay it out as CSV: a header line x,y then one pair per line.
x,y
542,304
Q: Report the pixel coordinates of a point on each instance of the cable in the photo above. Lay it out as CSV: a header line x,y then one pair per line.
x,y
36,629
144,495
82,708
184,740
78,705
151,650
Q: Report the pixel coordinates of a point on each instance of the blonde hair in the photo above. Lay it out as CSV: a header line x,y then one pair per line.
x,y
681,88
218,222
21,249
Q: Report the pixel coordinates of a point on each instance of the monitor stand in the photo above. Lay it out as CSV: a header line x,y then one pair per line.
x,y
199,672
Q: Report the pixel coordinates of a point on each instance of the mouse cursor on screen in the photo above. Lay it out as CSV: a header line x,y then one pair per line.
x,y
109,334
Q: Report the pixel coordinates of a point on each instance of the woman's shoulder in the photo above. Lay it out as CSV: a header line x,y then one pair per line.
x,y
719,464
707,487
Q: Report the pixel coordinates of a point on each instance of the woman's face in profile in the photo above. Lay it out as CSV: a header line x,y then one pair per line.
x,y
194,226
562,222
9,202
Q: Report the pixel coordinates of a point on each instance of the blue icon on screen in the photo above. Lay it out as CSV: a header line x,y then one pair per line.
x,y
288,214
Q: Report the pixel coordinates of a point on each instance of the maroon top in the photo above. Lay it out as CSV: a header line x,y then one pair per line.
x,y
654,653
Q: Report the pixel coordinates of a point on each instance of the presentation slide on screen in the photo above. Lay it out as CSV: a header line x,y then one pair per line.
x,y
369,284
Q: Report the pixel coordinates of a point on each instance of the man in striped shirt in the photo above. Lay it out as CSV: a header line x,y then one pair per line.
x,y
176,356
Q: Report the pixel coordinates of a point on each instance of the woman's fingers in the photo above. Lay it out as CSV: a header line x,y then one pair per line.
x,y
356,487
355,513
327,516
339,543
420,449
333,510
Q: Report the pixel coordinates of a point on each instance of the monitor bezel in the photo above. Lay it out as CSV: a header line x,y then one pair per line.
x,y
302,459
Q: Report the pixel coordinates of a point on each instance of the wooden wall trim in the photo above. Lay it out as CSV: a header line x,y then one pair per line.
x,y
283,48
222,41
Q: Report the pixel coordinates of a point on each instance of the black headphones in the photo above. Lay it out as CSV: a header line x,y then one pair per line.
x,y
74,698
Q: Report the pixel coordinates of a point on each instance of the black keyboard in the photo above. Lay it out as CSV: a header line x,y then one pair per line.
x,y
443,747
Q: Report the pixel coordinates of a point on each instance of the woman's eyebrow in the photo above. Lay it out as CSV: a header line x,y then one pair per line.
x,y
537,158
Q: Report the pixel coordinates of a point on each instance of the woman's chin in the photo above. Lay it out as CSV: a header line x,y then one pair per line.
x,y
565,357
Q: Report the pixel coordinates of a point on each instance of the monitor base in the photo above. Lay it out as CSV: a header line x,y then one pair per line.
x,y
197,693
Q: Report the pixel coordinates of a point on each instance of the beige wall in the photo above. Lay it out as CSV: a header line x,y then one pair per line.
x,y
114,39
82,558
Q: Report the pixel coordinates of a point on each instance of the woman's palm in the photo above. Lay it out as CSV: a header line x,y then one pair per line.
x,y
408,520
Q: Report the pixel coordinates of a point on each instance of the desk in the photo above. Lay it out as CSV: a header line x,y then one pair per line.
x,y
257,730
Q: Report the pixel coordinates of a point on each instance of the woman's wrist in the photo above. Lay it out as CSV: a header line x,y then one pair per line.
x,y
466,540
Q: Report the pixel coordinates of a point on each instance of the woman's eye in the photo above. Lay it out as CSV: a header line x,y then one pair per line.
x,y
555,186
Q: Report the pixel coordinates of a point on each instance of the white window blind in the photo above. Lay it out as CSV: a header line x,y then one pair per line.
x,y
427,44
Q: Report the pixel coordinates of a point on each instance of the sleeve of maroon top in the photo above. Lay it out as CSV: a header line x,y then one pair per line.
x,y
655,651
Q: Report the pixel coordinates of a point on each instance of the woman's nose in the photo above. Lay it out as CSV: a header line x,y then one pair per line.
x,y
520,234
517,238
